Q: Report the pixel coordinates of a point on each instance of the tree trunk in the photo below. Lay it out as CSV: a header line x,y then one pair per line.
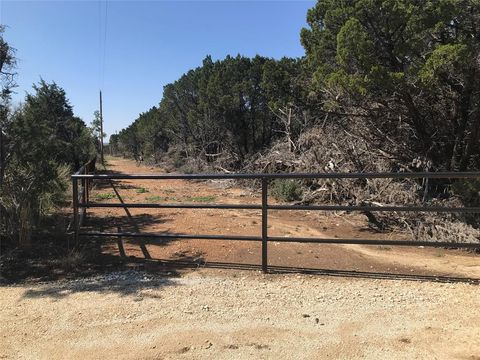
x,y
25,227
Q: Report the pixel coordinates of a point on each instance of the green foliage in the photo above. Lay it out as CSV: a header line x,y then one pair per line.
x,y
354,47
96,129
223,109
188,169
400,75
406,70
445,60
45,141
156,198
286,190
47,131
469,191
209,198
105,196
26,199
178,161
142,190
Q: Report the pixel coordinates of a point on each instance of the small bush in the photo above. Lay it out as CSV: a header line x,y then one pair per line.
x,y
469,191
203,199
142,190
104,196
193,166
72,261
286,190
187,169
178,160
156,198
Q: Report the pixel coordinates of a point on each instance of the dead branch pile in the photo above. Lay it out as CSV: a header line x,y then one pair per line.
x,y
320,149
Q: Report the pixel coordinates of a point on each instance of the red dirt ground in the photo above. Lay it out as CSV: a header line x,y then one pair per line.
x,y
410,261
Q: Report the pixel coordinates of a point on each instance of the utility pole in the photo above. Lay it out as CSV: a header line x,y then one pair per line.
x,y
101,129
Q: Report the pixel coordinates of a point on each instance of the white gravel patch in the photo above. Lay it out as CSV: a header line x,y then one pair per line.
x,y
240,315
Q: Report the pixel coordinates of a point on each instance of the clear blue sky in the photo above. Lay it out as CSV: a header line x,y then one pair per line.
x,y
148,45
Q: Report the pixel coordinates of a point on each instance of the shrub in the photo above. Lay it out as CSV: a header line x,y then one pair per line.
x,y
203,198
187,169
156,198
468,190
73,260
28,195
104,196
286,190
178,162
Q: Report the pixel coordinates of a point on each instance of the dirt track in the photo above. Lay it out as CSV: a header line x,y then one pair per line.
x,y
237,314
354,258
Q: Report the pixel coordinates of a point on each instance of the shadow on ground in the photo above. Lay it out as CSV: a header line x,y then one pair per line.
x,y
125,223
51,265
125,283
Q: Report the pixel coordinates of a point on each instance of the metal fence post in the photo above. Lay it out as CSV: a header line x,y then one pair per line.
x,y
87,191
75,209
264,224
87,181
84,195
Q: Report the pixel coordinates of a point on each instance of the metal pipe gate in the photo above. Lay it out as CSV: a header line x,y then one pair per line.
x,y
85,176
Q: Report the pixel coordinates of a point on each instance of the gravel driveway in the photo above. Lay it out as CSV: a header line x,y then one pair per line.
x,y
227,314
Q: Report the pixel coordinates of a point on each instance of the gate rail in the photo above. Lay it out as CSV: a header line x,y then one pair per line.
x,y
85,177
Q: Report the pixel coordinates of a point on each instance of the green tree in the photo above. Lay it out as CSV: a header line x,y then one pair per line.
x,y
403,74
7,83
96,129
221,110
48,141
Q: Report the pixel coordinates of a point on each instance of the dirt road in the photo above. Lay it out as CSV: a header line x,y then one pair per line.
x,y
376,259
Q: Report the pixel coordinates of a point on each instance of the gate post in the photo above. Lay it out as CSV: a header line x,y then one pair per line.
x,y
264,224
84,194
75,209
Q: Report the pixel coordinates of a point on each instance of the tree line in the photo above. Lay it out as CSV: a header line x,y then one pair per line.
x,y
401,75
222,109
41,142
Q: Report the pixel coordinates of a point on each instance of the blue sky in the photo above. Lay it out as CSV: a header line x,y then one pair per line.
x,y
148,45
